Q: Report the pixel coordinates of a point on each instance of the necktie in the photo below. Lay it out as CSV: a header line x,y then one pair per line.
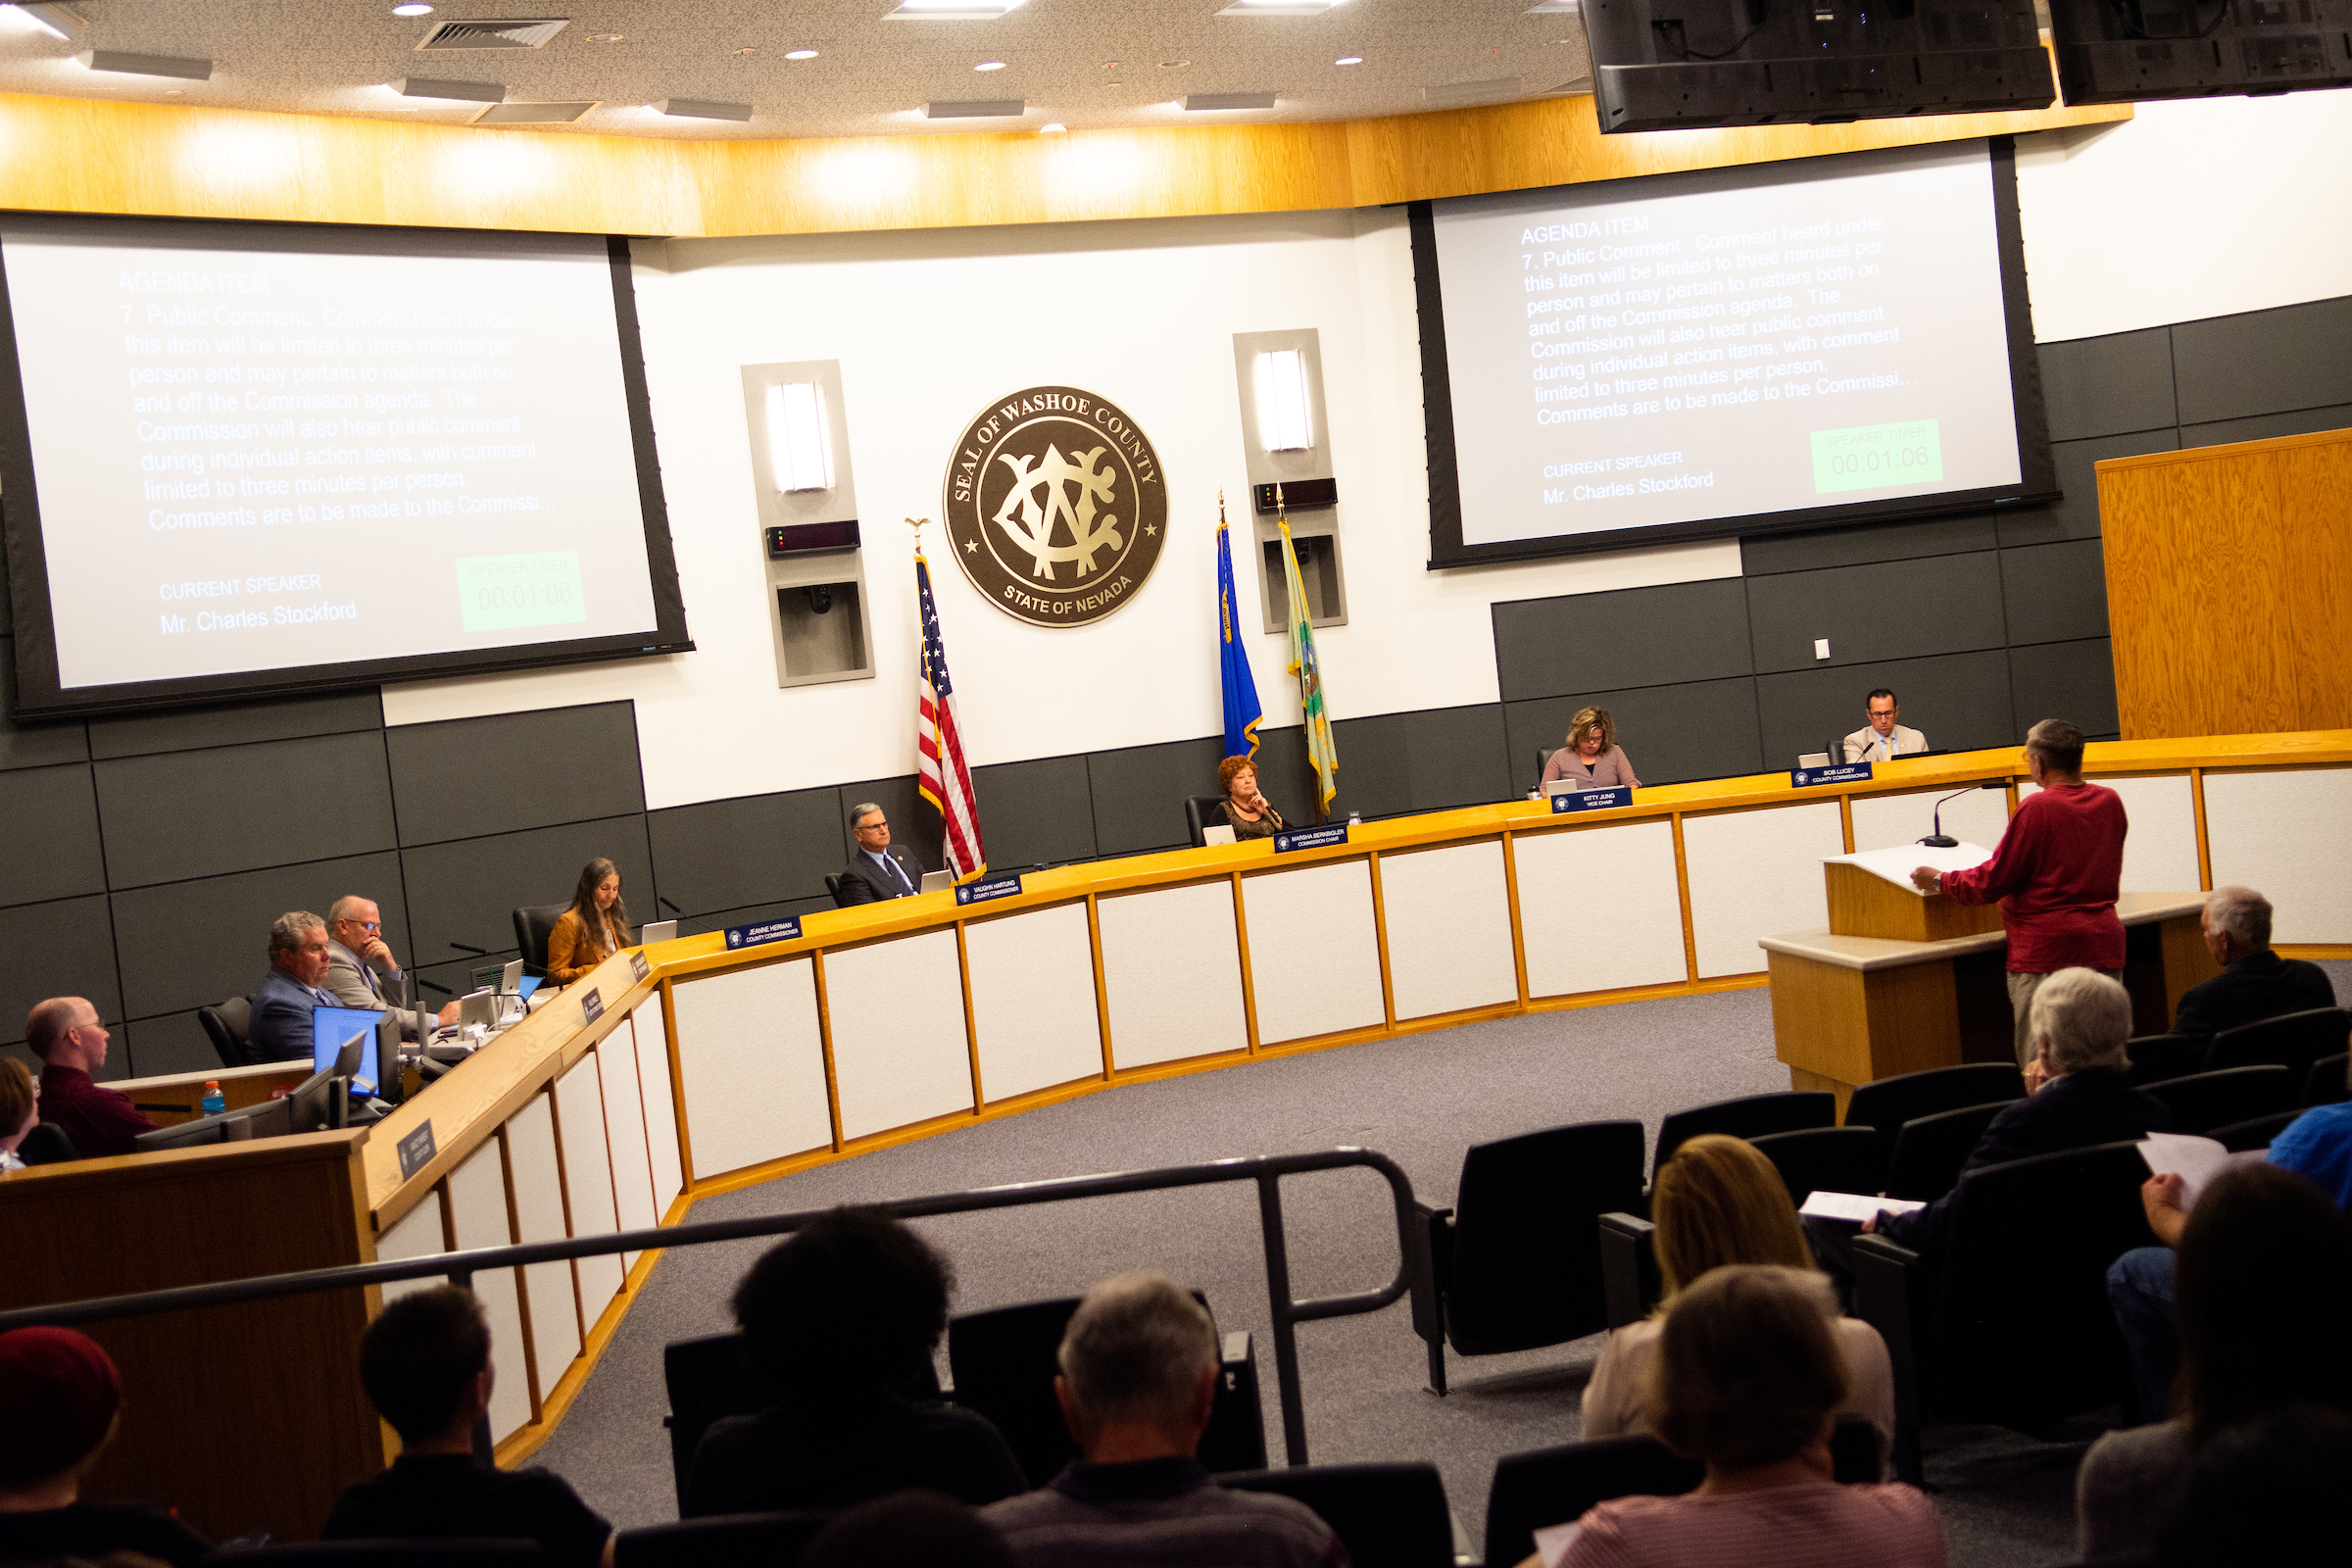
x,y
904,881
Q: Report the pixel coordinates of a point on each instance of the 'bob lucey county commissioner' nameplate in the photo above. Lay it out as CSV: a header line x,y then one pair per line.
x,y
1056,505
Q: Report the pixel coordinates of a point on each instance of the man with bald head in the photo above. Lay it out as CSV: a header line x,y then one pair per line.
x,y
66,1033
361,971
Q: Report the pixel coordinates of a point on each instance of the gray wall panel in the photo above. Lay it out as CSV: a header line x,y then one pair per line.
x,y
65,949
2269,426
2265,362
1425,760
1704,729
1897,609
1632,637
1035,810
465,777
34,745
173,1043
2077,514
2108,386
2073,681
467,891
725,855
182,815
1767,553
913,822
1139,792
188,729
1959,701
187,943
2055,592
53,850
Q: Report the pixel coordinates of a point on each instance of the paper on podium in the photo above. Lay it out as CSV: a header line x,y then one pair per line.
x,y
1897,864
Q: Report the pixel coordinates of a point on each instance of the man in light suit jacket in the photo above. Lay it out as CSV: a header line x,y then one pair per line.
x,y
1882,737
880,869
361,971
280,1030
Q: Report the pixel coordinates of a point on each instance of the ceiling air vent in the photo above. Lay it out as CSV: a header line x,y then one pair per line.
x,y
525,32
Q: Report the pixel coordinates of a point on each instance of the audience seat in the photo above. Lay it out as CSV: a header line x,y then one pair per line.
x,y
47,1144
2011,1326
2155,1058
383,1554
1515,1264
1201,814
2239,1137
1888,1102
723,1541
1754,1116
225,1024
1630,1281
2293,1040
535,923
2204,1100
1835,1159
2326,1084
1929,1151
1387,1515
710,1378
1556,1486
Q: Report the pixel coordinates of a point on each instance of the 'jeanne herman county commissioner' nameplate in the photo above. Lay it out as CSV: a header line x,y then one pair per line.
x,y
1056,505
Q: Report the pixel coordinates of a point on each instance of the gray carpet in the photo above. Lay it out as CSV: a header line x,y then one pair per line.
x,y
2006,1500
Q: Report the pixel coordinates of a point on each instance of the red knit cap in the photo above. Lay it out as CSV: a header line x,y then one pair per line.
x,y
61,1391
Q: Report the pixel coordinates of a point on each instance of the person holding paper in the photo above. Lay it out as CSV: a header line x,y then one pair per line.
x,y
1883,738
1251,814
2056,873
1591,758
2255,983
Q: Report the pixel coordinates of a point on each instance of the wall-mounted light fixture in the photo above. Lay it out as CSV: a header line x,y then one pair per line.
x,y
1284,421
800,447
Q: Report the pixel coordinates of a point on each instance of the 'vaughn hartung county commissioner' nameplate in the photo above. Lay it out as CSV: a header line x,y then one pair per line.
x,y
1056,505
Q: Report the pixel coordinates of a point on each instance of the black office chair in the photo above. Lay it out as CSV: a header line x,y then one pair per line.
x,y
1544,755
2244,1135
225,1024
2326,1081
1201,813
1751,1116
2204,1100
1387,1515
47,1144
1830,1160
535,923
1515,1264
1929,1151
721,1541
2293,1040
1630,1281
384,1555
2156,1058
833,889
1888,1102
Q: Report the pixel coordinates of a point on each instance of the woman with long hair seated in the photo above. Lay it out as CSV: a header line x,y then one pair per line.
x,y
1749,1379
593,928
1718,1201
1251,814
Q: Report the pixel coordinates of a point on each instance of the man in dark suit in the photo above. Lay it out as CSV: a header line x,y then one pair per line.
x,y
280,1030
2255,983
880,869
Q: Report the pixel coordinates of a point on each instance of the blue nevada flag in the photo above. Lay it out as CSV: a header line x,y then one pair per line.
x,y
1241,711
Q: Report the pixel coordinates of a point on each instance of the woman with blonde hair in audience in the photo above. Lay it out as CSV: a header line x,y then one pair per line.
x,y
1718,1201
593,928
1748,1382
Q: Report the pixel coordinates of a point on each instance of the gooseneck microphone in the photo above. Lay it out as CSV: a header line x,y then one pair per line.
x,y
1940,839
672,908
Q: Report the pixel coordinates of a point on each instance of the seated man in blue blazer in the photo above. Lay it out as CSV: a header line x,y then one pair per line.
x,y
280,1029
880,869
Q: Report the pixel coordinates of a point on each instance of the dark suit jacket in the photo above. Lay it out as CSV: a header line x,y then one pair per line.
x,y
2261,985
865,882
280,1030
2096,1105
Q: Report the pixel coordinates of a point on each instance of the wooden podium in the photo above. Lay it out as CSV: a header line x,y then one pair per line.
x,y
1901,983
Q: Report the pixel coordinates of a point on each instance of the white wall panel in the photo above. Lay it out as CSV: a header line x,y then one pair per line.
x,y
415,1234
660,1112
1755,875
1173,972
1448,918
478,1212
1598,908
539,1217
2287,834
899,1050
1033,1000
588,1181
752,1066
2160,852
625,1129
1882,821
1314,955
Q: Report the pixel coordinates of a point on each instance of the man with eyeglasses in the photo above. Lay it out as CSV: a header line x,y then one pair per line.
x,y
361,971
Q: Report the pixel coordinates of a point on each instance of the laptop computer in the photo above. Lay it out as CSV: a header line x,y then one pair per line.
x,y
937,881
653,931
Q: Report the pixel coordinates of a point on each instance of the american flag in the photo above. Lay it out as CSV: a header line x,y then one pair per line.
x,y
944,780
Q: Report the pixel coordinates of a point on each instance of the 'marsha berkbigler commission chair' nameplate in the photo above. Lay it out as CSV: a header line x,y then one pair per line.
x,y
1056,505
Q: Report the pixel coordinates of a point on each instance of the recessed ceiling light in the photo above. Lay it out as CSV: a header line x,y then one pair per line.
x,y
1051,128
950,10
1174,65
176,92
60,20
1279,8
990,65
800,54
412,8
1348,60
702,109
607,38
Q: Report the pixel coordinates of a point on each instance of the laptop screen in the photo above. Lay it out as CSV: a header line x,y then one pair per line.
x,y
331,1028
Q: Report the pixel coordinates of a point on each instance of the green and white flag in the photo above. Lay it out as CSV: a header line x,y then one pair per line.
x,y
1320,753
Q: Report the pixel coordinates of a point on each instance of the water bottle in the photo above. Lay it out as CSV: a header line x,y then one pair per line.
x,y
215,1102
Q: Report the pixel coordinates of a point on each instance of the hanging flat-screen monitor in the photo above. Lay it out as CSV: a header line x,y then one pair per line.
x,y
1730,352
238,458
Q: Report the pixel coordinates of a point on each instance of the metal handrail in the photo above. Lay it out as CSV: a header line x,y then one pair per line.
x,y
1266,1170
